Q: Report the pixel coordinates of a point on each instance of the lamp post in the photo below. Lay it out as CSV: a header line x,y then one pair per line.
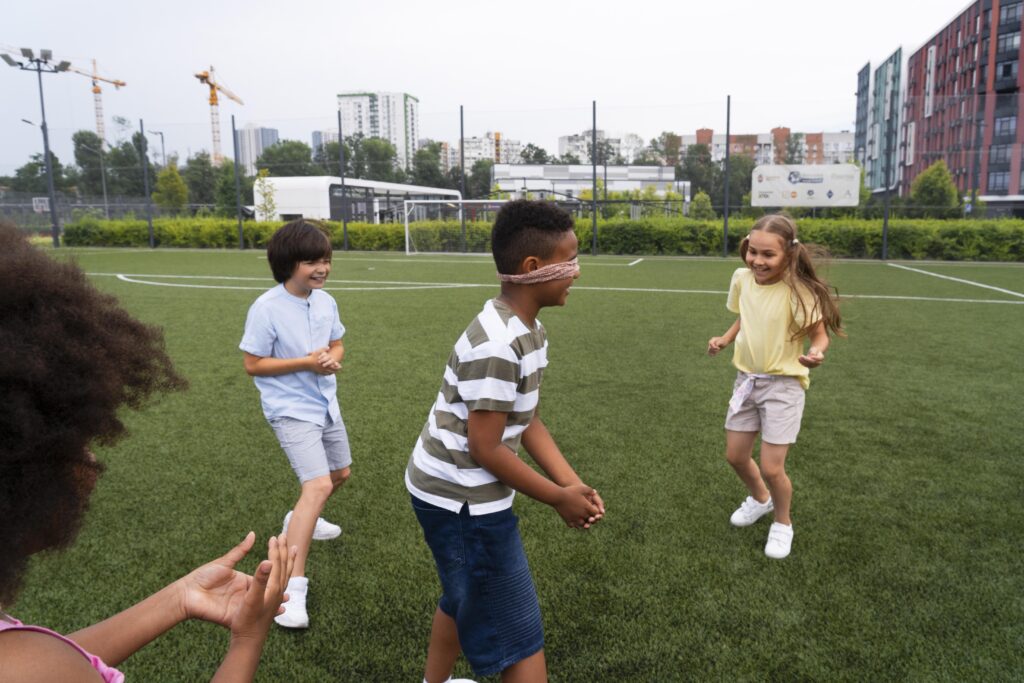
x,y
103,178
40,65
163,151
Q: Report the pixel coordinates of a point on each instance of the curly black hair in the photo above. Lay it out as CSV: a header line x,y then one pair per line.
x,y
70,357
527,228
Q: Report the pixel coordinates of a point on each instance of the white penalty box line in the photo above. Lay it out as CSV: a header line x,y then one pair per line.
x,y
958,279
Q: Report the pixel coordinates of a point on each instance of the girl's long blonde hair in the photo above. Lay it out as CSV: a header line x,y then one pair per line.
x,y
800,270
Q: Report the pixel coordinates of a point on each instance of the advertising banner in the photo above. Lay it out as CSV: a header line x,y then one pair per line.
x,y
806,185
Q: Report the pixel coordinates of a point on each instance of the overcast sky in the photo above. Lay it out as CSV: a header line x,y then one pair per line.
x,y
529,69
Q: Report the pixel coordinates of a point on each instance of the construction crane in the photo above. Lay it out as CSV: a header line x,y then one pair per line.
x,y
96,91
206,78
98,97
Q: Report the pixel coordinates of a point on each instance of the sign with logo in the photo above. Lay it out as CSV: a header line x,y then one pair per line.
x,y
40,204
806,185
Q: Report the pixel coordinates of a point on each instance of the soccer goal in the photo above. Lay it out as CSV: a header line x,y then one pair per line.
x,y
435,226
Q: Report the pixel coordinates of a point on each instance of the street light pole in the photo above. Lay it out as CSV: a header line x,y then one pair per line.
x,y
163,151
36,64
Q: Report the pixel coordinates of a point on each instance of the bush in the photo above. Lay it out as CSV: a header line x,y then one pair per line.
x,y
959,239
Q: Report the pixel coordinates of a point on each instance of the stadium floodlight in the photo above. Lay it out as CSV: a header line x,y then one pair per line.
x,y
10,62
39,65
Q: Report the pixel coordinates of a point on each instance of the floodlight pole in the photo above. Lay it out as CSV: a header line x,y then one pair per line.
x,y
462,176
145,182
238,183
593,162
341,172
103,177
725,196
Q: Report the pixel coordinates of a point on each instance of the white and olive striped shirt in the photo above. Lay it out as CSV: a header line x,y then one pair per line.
x,y
496,365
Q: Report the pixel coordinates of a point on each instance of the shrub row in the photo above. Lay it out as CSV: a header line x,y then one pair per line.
x,y
973,240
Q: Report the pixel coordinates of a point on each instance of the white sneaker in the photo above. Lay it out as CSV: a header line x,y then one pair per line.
x,y
780,540
323,531
750,511
294,615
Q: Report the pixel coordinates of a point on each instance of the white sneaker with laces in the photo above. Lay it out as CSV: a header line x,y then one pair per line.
x,y
294,615
323,531
750,511
780,540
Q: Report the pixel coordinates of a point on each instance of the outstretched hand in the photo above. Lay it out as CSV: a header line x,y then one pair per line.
x,y
812,359
217,593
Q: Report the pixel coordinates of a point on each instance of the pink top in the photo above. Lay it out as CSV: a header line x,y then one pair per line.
x,y
107,673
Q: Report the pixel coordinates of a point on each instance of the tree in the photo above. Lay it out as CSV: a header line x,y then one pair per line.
x,y
701,170
478,185
381,159
532,154
667,147
171,192
741,171
201,179
32,176
88,150
124,170
288,158
263,193
933,192
700,207
605,152
426,166
226,205
568,158
794,149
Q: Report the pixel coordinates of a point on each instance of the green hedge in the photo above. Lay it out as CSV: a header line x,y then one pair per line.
x,y
958,240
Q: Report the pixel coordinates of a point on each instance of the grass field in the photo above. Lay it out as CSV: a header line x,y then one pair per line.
x,y
908,477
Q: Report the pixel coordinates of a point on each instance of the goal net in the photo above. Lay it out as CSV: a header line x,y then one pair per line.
x,y
435,226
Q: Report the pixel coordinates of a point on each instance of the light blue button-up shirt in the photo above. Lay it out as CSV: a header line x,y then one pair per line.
x,y
281,325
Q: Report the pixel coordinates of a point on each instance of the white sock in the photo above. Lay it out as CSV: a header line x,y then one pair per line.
x,y
297,584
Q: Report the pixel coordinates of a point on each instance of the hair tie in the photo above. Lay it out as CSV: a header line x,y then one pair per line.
x,y
553,271
795,241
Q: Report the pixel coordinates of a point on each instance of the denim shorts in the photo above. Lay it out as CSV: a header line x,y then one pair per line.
x,y
486,584
312,450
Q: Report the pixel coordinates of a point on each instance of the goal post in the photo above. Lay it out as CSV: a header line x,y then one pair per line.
x,y
435,226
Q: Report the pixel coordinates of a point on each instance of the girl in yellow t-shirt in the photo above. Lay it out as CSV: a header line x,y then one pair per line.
x,y
781,302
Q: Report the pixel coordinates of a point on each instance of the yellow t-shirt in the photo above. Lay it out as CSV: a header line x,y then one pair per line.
x,y
769,315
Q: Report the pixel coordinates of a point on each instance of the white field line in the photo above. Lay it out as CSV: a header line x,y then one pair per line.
x,y
393,285
633,263
957,279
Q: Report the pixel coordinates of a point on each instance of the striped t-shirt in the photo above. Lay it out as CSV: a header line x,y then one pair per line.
x,y
496,365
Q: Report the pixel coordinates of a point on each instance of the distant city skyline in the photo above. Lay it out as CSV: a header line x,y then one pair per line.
x,y
790,64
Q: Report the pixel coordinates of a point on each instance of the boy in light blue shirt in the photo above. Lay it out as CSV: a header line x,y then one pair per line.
x,y
292,346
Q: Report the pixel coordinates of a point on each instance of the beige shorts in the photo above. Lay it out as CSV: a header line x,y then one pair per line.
x,y
774,407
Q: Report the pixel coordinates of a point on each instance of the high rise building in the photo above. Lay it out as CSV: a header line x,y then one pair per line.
x,y
780,146
391,116
322,137
962,104
252,140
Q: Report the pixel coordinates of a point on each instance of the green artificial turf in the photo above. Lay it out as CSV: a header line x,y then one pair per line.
x,y
907,477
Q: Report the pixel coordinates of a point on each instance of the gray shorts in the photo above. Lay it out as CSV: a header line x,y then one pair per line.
x,y
774,408
312,450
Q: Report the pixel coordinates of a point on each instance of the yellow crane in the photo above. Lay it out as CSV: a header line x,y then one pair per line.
x,y
206,78
97,95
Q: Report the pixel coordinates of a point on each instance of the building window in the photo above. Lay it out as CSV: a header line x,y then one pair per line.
x,y
1005,126
998,181
1010,12
999,154
1006,69
1008,41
